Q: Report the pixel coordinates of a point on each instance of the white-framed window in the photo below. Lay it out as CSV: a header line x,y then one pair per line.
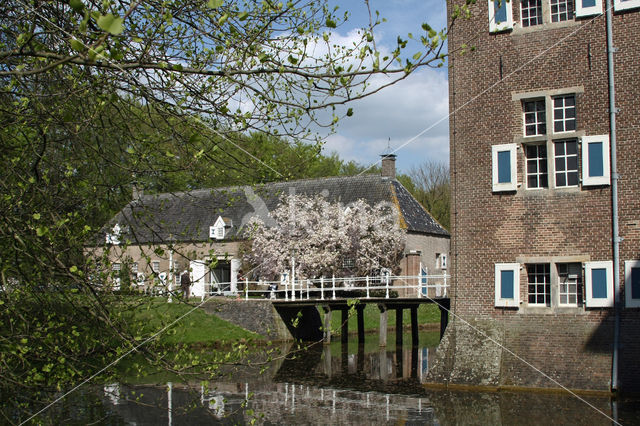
x,y
588,7
537,175
632,283
625,4
116,267
534,117
507,284
504,167
442,260
500,15
561,10
596,168
218,230
565,155
531,12
598,282
564,113
569,284
134,267
113,237
348,263
539,284
155,266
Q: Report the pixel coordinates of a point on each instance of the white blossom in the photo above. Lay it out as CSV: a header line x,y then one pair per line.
x,y
320,235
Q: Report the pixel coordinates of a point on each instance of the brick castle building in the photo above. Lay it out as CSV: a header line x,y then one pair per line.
x,y
533,189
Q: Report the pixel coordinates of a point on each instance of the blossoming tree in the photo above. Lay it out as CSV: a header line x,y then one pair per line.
x,y
325,238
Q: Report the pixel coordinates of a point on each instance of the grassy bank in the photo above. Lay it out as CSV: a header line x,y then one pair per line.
x,y
428,313
200,328
197,327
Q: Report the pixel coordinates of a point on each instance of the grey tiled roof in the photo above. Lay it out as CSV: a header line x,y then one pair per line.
x,y
187,216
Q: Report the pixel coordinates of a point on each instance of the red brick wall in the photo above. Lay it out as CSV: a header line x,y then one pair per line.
x,y
489,228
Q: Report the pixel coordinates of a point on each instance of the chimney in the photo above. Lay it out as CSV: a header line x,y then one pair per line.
x,y
136,192
389,165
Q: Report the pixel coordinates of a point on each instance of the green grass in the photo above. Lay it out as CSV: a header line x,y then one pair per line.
x,y
197,327
428,313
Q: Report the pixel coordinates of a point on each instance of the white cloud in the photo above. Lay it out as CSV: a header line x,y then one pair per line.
x,y
413,113
402,113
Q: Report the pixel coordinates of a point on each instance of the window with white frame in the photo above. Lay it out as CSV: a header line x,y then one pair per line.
x,y
534,117
553,150
531,12
507,285
539,284
619,5
442,260
598,282
561,10
565,154
569,284
218,230
632,283
537,176
564,113
116,267
134,267
504,173
155,266
348,263
595,160
500,15
588,7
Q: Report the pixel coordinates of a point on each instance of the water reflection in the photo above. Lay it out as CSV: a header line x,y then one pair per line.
x,y
332,385
401,370
288,403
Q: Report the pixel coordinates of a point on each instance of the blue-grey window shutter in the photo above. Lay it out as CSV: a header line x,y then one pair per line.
x,y
504,167
506,284
596,159
635,283
500,8
599,283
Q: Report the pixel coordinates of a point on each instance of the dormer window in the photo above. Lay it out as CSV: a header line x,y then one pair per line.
x,y
219,229
113,237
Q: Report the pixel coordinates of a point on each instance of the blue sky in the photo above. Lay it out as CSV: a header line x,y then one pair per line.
x,y
403,111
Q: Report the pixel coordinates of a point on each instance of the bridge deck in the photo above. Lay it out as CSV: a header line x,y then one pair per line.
x,y
340,303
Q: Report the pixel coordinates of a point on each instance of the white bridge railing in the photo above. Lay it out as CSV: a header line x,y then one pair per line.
x,y
406,286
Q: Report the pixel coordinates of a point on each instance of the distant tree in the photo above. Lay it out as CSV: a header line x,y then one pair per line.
x,y
325,238
429,183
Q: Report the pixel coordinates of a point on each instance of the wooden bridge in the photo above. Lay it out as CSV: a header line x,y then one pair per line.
x,y
298,301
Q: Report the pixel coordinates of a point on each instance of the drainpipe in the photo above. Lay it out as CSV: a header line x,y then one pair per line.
x,y
614,199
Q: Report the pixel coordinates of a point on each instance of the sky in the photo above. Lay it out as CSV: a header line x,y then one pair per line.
x,y
411,116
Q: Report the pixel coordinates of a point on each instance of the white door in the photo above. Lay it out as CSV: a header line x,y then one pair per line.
x,y
197,268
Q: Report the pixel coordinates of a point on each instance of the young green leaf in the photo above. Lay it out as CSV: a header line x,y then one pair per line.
x,y
110,24
214,4
76,5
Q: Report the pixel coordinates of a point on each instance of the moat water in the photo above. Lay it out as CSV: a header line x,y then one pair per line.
x,y
356,385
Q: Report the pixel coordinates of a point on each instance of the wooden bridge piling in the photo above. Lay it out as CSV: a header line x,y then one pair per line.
x,y
383,325
399,327
414,326
326,338
360,312
344,334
